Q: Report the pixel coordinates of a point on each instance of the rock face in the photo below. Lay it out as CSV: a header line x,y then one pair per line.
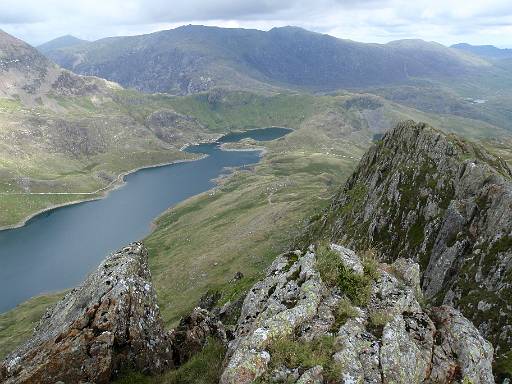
x,y
444,203
27,74
389,339
192,334
110,322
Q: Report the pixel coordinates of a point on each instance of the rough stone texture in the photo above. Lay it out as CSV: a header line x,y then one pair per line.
x,y
312,376
444,203
110,322
349,258
455,333
192,334
276,306
390,340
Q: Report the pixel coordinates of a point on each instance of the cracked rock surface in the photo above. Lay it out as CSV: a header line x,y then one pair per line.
x,y
110,322
391,339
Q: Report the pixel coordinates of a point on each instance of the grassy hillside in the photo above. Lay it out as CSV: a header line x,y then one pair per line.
x,y
260,209
201,243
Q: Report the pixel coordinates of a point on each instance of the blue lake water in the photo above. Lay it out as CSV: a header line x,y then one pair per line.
x,y
57,249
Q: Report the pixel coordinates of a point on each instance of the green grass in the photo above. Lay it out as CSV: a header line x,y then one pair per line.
x,y
10,105
17,325
503,366
357,287
201,243
378,319
118,138
243,110
251,217
203,368
344,310
293,353
16,208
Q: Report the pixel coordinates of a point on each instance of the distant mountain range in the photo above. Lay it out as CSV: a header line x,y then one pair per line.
x,y
486,51
191,59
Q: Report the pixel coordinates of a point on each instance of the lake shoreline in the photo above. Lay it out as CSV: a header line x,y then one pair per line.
x,y
119,182
52,251
120,179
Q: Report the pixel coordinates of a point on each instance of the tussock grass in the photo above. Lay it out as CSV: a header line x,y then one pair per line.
x,y
305,354
203,368
356,287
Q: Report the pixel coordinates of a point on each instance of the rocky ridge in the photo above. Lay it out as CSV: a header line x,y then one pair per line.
x,y
195,58
27,75
390,338
444,203
378,333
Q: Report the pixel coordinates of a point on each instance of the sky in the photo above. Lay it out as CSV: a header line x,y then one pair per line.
x,y
379,21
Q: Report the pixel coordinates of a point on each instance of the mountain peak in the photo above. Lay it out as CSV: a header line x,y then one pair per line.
x,y
60,42
441,201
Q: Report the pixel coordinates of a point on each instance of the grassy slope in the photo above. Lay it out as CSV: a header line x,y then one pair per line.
x,y
242,224
129,143
17,325
251,216
269,201
119,126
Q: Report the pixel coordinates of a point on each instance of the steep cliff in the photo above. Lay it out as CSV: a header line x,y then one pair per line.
x,y
444,203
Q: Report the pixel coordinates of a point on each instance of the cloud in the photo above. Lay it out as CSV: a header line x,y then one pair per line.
x,y
448,22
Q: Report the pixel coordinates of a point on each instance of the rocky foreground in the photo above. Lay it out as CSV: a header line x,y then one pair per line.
x,y
306,306
109,323
382,337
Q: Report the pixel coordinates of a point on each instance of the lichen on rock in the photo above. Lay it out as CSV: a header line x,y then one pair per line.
x,y
109,323
392,339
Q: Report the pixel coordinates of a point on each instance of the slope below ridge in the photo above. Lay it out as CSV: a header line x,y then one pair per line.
x,y
27,75
195,58
443,202
60,42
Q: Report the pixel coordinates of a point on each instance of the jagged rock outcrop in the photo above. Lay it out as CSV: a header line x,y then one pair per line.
x,y
109,323
193,332
297,326
443,202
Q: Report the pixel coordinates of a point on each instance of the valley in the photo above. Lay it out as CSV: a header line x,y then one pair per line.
x,y
218,223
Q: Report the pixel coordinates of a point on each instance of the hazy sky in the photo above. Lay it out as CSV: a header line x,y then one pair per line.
x,y
445,21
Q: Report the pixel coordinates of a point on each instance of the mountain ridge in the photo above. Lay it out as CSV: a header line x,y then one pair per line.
x,y
440,201
199,58
485,51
